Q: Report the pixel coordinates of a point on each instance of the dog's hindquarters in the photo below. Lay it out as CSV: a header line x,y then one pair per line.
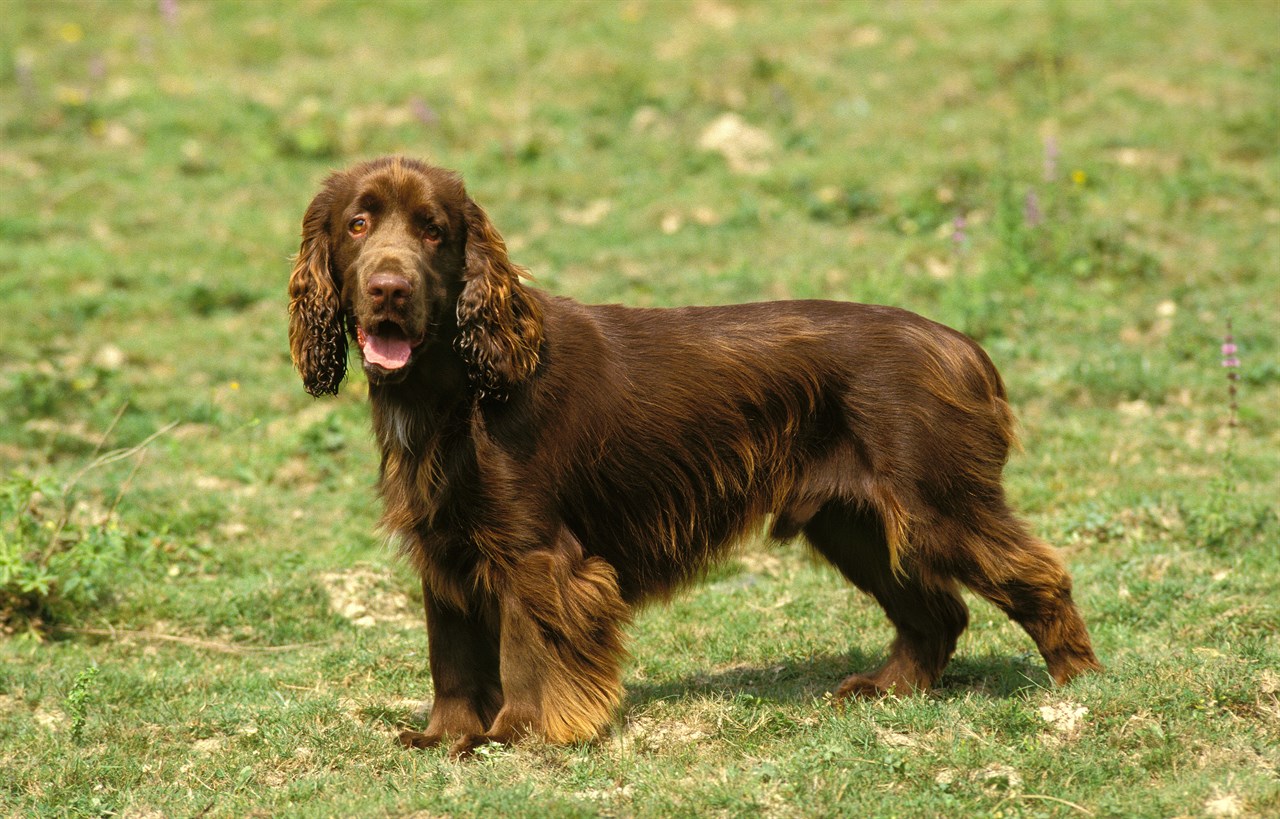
x,y
920,508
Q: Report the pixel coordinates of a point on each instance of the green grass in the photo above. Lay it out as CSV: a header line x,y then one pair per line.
x,y
182,624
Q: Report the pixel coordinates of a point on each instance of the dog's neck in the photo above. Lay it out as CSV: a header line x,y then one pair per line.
x,y
408,416
414,420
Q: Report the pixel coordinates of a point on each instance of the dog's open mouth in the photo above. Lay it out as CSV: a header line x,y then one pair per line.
x,y
386,345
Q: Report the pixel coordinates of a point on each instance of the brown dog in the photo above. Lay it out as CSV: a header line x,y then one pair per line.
x,y
548,465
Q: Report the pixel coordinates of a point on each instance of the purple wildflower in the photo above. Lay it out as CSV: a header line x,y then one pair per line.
x,y
1050,159
1232,363
1031,210
169,11
1229,350
424,113
959,242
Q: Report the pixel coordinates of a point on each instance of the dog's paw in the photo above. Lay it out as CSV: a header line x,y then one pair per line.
x,y
417,739
466,745
864,687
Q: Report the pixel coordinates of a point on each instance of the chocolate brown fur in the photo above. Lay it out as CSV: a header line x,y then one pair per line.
x,y
547,465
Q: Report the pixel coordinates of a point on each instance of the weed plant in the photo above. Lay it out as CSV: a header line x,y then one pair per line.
x,y
1221,519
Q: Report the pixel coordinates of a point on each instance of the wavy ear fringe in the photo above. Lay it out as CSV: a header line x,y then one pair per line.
x,y
317,340
499,320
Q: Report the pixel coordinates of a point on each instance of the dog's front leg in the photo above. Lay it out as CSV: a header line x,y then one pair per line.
x,y
561,648
464,673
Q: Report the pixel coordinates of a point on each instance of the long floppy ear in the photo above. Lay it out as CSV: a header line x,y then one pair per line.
x,y
500,321
316,338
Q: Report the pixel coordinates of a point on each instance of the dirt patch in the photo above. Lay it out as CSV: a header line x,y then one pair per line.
x,y
761,563
993,779
209,745
1065,718
368,598
894,739
656,735
746,148
1224,804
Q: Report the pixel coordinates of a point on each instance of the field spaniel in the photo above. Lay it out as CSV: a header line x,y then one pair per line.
x,y
548,466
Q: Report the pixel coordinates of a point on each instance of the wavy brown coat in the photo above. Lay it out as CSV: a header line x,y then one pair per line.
x,y
547,465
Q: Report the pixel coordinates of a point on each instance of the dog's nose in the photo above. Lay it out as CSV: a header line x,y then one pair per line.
x,y
388,288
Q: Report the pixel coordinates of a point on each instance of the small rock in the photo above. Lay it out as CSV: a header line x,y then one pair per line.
x,y
109,357
744,147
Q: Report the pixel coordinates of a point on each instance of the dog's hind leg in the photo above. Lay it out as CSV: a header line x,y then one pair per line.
x,y
925,608
1000,560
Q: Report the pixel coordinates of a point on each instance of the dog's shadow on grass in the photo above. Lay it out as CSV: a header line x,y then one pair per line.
x,y
798,680
795,680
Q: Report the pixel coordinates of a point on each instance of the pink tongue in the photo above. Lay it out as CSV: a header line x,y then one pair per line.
x,y
391,353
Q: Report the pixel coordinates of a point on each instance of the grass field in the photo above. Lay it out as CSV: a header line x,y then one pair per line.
x,y
198,617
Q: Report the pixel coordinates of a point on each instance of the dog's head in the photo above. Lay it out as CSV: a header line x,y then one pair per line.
x,y
396,255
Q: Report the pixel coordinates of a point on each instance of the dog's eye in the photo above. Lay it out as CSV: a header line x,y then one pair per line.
x,y
432,232
358,226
